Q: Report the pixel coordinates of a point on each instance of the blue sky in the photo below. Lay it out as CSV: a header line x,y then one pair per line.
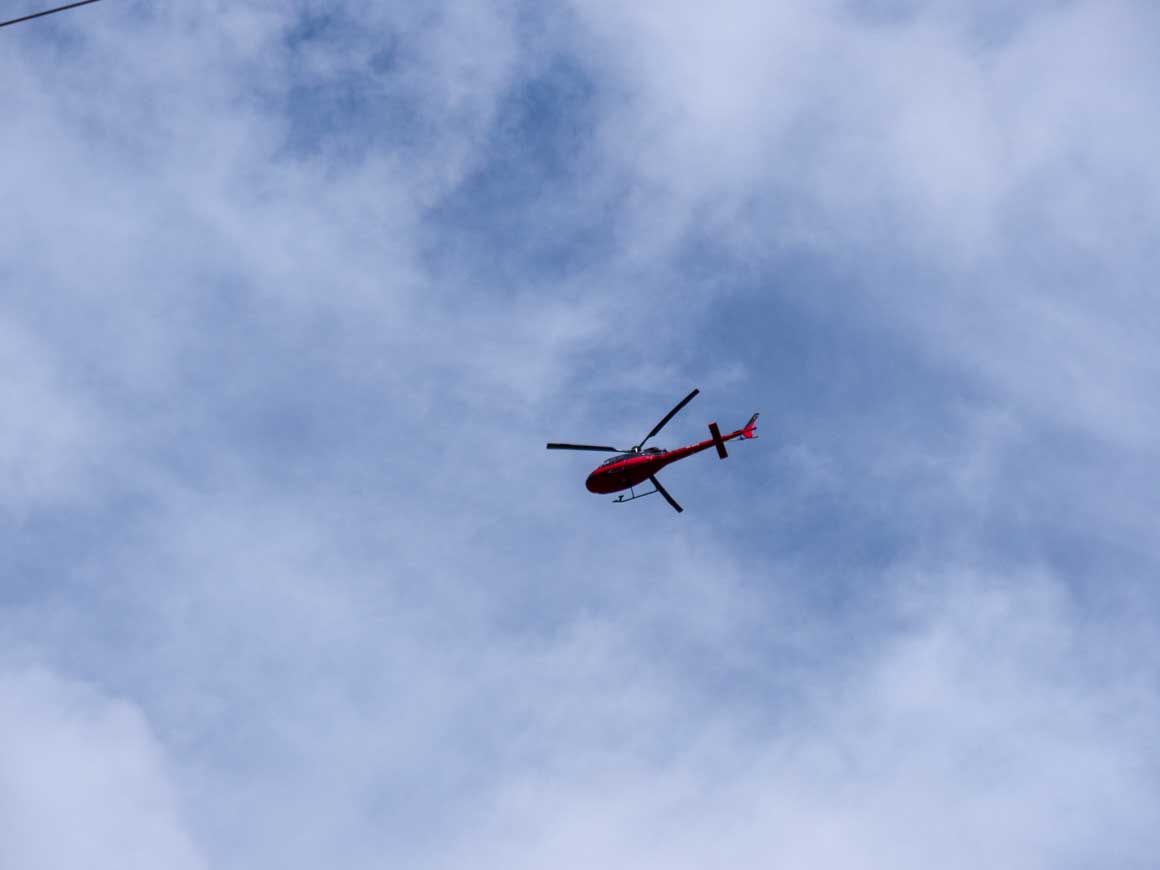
x,y
292,295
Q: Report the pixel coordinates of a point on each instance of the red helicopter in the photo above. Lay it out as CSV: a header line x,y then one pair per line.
x,y
634,466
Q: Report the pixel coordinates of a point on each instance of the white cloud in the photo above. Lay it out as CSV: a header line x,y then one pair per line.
x,y
909,133
53,439
968,739
285,390
83,781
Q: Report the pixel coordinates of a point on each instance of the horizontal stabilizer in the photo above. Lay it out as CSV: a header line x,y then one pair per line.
x,y
717,441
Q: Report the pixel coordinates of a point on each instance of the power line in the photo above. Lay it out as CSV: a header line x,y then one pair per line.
x,y
47,12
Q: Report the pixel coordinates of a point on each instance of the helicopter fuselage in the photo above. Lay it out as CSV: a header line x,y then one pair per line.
x,y
633,469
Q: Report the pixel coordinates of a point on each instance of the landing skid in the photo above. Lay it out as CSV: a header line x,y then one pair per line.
x,y
635,495
656,483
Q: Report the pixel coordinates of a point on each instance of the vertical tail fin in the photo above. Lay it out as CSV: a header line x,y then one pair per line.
x,y
750,428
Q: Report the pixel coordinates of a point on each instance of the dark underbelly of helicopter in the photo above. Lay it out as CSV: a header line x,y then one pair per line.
x,y
604,481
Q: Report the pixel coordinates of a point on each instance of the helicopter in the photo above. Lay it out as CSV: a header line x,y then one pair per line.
x,y
634,465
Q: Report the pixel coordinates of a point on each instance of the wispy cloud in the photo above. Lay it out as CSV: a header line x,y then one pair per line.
x,y
292,296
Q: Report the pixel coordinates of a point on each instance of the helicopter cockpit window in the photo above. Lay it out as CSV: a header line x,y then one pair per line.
x,y
618,458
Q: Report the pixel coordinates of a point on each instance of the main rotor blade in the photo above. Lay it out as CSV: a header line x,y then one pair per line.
x,y
657,428
584,447
665,492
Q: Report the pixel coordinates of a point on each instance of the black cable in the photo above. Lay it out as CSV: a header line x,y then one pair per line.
x,y
47,12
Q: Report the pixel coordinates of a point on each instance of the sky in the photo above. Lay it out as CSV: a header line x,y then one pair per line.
x,y
292,295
